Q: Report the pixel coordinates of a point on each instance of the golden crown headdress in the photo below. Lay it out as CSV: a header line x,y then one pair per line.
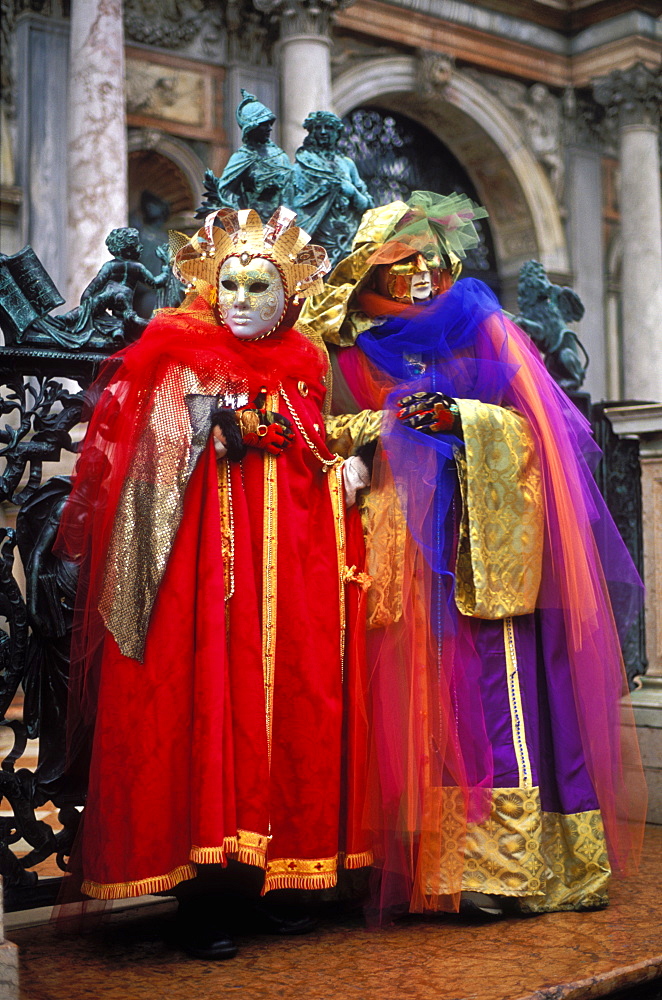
x,y
242,234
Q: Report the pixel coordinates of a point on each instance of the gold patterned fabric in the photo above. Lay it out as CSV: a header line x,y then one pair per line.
x,y
385,529
547,861
150,507
330,311
149,512
499,559
577,866
347,432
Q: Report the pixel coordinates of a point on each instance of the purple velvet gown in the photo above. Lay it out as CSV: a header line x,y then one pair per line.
x,y
504,757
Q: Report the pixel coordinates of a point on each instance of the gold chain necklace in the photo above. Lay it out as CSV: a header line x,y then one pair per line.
x,y
327,462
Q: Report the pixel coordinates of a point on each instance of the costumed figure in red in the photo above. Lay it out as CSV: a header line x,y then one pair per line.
x,y
217,655
505,770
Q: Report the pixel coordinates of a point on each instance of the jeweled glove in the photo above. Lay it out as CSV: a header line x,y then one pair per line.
x,y
431,413
253,426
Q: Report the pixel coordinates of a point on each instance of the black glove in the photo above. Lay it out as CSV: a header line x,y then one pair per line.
x,y
226,420
253,426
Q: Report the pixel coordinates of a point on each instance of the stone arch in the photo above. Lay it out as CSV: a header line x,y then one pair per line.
x,y
187,164
486,139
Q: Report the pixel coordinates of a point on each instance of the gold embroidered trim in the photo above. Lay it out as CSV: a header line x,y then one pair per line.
x,y
302,866
500,544
227,525
211,855
578,871
249,848
256,841
142,887
515,703
336,487
311,873
549,861
269,578
301,873
362,860
272,882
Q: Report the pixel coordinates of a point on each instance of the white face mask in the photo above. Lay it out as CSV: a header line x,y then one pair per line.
x,y
251,297
421,286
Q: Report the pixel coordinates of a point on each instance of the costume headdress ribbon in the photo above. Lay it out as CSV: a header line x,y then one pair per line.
x,y
441,228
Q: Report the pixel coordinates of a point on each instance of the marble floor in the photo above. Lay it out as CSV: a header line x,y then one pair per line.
x,y
563,956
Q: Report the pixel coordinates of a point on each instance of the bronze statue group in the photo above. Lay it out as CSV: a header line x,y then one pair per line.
x,y
349,596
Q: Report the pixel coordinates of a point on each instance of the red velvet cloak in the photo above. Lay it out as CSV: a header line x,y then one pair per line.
x,y
181,770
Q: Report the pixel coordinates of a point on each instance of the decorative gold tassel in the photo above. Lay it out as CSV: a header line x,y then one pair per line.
x,y
142,887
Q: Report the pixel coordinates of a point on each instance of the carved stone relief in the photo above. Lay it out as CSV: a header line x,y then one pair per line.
x,y
348,52
170,24
161,92
302,16
250,33
539,113
632,96
585,122
434,70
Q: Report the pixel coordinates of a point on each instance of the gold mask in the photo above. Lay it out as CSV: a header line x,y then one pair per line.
x,y
251,297
415,279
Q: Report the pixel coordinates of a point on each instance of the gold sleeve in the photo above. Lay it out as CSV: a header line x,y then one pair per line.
x,y
347,432
499,557
148,515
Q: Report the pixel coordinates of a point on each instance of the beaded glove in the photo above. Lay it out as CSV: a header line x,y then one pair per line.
x,y
431,413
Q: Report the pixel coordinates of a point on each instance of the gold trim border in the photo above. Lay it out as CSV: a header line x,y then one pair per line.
x,y
516,709
336,491
227,524
249,848
142,887
269,579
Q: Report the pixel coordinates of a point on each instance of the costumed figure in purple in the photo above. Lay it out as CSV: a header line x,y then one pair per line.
x,y
503,775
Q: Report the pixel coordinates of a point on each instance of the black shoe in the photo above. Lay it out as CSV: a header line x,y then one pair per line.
x,y
201,937
257,916
480,906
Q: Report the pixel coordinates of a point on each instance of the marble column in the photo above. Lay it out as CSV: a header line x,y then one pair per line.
x,y
97,149
305,61
635,96
42,47
645,422
583,182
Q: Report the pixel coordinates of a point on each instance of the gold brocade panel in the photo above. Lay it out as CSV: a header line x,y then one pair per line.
x,y
347,432
150,507
578,870
547,861
499,559
387,547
